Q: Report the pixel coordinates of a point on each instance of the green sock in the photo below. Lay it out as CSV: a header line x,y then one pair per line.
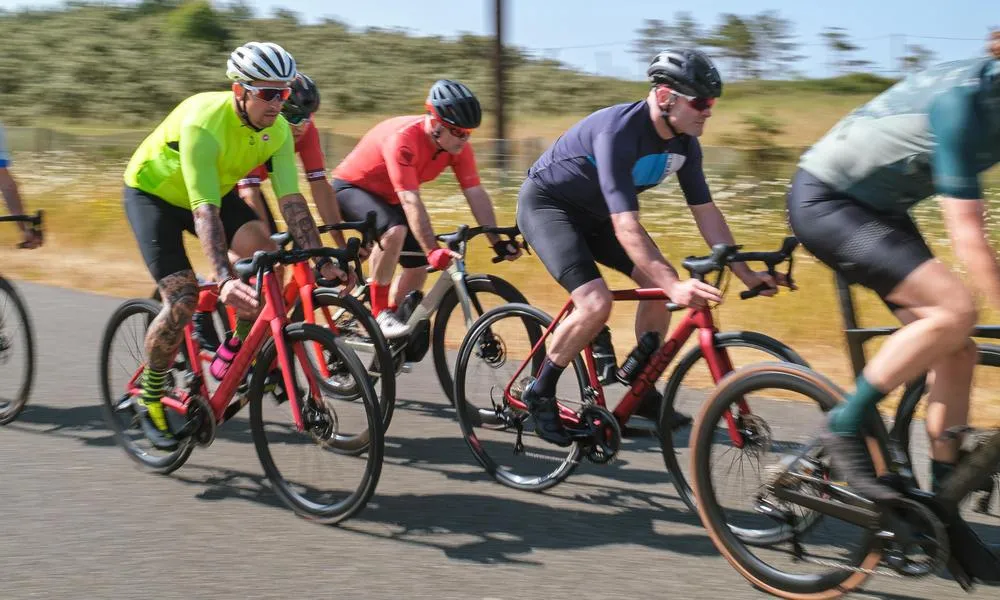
x,y
152,390
242,329
847,418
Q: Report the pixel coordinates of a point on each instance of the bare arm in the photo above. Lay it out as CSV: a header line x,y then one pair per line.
x,y
326,203
714,230
966,226
212,235
8,187
641,249
482,209
418,220
255,200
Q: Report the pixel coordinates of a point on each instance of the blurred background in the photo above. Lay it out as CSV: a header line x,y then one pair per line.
x,y
83,82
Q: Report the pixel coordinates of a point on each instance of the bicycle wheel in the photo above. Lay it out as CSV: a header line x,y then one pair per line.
x,y
355,325
122,357
689,385
502,438
330,496
485,292
827,557
17,353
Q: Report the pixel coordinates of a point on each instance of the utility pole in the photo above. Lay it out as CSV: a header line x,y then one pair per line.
x,y
498,69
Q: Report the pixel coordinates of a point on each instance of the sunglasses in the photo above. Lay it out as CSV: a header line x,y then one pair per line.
x,y
457,132
268,94
699,104
298,119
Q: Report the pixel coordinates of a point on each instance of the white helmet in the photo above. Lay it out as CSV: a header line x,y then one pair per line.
x,y
260,61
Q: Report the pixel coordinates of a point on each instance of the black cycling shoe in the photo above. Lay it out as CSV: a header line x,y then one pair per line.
x,y
548,425
204,331
850,461
649,408
162,439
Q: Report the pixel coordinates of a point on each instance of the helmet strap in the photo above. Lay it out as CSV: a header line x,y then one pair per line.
x,y
665,115
241,108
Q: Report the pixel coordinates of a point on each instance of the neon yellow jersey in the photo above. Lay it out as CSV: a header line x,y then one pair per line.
x,y
199,152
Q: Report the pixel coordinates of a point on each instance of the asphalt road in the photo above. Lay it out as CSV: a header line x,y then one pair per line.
x,y
78,520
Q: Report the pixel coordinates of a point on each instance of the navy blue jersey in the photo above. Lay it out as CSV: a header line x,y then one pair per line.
x,y
603,162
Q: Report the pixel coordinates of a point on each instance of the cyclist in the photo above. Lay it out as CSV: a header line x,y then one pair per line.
x,y
579,204
932,133
298,111
182,178
383,173
8,188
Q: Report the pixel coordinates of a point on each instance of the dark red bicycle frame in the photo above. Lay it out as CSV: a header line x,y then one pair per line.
x,y
694,319
270,322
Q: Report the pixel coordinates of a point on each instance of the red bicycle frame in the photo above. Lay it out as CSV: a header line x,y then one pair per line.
x,y
270,322
694,319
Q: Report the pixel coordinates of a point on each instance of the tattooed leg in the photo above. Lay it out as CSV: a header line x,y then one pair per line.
x,y
180,298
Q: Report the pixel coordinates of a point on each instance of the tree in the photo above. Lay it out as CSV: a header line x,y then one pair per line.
x,y
736,42
686,31
842,48
773,35
917,58
196,20
653,36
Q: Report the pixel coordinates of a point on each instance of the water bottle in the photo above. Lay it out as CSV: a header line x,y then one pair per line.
x,y
637,359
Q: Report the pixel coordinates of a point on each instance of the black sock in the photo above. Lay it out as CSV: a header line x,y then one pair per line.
x,y
545,385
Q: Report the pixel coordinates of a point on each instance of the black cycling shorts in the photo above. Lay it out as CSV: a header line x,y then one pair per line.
x,y
873,249
268,215
567,239
354,206
158,227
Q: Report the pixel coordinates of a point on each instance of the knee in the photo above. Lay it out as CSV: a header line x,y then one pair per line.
x,y
394,236
181,302
957,321
595,303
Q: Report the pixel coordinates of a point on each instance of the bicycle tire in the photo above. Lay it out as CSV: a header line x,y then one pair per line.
x,y
812,385
728,339
469,420
475,284
301,333
171,461
20,399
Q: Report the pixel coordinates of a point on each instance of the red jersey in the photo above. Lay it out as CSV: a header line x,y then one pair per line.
x,y
397,156
310,153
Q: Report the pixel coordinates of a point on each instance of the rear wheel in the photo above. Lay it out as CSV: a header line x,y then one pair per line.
x,y
122,358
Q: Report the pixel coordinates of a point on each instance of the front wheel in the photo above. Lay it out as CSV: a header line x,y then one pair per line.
x,y
501,437
759,425
485,292
17,353
688,387
315,479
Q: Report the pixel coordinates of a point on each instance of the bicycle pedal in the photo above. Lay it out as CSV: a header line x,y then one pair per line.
x,y
517,388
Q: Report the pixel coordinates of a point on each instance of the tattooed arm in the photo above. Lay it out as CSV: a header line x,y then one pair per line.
x,y
302,227
208,227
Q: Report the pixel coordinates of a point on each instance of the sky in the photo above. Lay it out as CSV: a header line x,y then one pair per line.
x,y
594,35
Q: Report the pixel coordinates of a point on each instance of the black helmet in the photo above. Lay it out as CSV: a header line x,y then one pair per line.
x,y
688,72
304,100
454,104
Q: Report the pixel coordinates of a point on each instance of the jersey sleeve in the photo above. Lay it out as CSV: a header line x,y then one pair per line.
x,y
400,155
284,175
614,162
953,121
311,154
464,166
691,176
199,152
4,154
254,178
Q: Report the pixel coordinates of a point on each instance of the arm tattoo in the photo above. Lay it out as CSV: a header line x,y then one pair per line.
x,y
180,298
212,235
300,223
